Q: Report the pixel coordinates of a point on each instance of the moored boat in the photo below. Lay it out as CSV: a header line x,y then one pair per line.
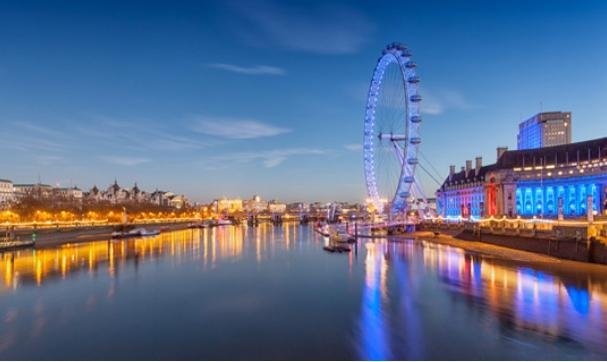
x,y
323,230
337,248
6,245
342,238
137,232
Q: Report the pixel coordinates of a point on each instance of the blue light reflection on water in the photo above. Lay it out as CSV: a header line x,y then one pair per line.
x,y
373,326
275,292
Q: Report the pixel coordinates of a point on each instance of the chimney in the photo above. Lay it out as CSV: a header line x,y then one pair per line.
x,y
479,164
468,167
451,171
500,151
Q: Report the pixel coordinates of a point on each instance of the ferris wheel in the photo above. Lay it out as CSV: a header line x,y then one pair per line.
x,y
391,138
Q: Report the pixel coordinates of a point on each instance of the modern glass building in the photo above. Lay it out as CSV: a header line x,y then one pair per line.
x,y
544,130
537,182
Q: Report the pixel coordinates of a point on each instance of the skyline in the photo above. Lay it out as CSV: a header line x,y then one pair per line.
x,y
163,96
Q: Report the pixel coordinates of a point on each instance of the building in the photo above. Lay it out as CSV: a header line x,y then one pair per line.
x,y
255,205
544,130
69,193
38,190
7,192
568,180
178,201
275,207
227,206
298,208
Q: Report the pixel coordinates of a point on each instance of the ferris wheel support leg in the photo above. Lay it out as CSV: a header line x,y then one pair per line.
x,y
423,197
400,155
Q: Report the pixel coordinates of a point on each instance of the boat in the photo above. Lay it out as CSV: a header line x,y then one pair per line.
x,y
322,230
221,222
336,248
198,225
15,244
342,238
137,232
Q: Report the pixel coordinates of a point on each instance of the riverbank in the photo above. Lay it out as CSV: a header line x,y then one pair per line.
x,y
508,255
51,237
485,248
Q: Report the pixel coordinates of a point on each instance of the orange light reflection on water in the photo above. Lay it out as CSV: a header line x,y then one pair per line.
x,y
36,266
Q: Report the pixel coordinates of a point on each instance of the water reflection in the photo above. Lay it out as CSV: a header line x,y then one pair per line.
x,y
384,300
555,305
36,266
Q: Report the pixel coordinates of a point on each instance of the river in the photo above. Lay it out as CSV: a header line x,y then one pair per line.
x,y
271,292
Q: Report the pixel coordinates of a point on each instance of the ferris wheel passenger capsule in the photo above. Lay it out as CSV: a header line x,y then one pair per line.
x,y
416,98
416,119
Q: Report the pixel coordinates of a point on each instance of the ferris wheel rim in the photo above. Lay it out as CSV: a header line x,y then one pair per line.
x,y
399,54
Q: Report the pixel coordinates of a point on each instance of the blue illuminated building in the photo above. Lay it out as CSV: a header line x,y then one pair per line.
x,y
544,130
536,182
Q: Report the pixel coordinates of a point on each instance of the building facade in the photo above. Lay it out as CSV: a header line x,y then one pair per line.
x,y
255,205
227,206
7,192
568,180
37,190
544,130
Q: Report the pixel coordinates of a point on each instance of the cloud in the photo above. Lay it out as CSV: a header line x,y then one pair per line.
x,y
124,160
323,28
232,128
353,147
48,160
132,135
38,129
252,70
438,102
434,101
269,158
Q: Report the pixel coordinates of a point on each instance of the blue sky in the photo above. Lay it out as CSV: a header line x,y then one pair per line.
x,y
234,98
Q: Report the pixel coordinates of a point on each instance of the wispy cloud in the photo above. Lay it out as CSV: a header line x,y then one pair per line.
x,y
133,135
324,28
124,160
251,70
38,129
438,102
232,128
48,160
268,158
434,101
353,147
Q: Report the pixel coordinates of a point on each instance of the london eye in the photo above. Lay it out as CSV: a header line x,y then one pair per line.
x,y
391,138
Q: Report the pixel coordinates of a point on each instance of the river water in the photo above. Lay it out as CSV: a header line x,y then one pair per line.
x,y
273,293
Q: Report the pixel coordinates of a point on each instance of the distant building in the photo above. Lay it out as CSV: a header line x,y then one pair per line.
x,y
161,198
570,180
178,201
227,205
94,194
38,190
7,192
255,205
544,130
298,208
275,207
70,193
